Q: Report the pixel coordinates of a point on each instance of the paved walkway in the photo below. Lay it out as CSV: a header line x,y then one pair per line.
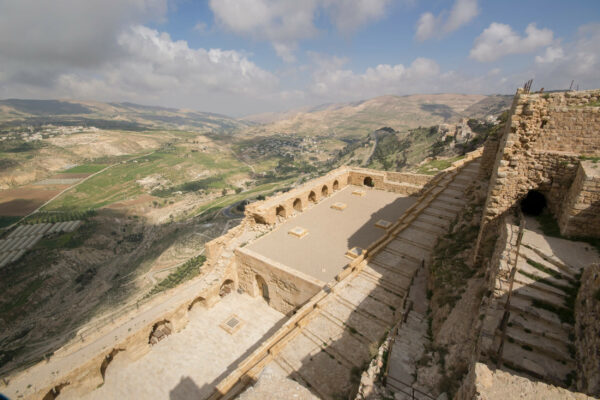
x,y
186,365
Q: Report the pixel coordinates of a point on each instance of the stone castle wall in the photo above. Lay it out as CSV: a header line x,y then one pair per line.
x,y
540,149
587,328
581,210
285,205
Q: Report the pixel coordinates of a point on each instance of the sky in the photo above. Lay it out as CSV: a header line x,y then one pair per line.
x,y
242,57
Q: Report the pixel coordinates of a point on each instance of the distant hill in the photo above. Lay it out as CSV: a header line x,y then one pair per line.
x,y
358,118
123,116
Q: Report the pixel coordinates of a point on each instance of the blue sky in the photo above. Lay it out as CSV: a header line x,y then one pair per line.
x,y
240,57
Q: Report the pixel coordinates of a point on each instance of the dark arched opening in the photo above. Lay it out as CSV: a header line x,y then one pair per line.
x,y
534,203
325,191
107,360
263,288
55,391
198,300
312,197
280,211
226,288
336,185
160,330
368,182
298,205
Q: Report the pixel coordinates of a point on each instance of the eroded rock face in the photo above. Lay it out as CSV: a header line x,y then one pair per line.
x,y
587,331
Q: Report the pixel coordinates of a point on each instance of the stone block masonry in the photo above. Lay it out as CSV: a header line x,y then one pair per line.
x,y
581,211
545,136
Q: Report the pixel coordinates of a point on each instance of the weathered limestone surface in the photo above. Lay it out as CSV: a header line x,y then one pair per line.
x,y
587,326
581,210
540,149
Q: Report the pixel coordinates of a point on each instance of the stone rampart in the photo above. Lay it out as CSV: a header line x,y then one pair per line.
x,y
540,148
580,214
287,204
587,331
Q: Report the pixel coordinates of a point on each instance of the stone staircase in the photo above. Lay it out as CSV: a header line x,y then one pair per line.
x,y
329,352
538,337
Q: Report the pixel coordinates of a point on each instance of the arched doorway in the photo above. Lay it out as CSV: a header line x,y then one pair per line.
x,y
534,203
160,330
312,197
226,288
336,185
324,191
280,211
107,360
263,288
198,300
298,205
368,182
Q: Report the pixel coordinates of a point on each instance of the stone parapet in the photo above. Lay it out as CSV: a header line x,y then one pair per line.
x,y
580,214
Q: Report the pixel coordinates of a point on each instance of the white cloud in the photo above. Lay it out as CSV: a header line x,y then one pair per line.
x,y
284,23
499,40
551,55
430,26
200,27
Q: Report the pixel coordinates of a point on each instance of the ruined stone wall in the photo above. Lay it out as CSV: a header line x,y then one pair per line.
x,y
580,214
396,182
539,150
587,331
287,289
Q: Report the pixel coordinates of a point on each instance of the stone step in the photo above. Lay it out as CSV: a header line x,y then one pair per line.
x,y
524,306
568,269
387,278
533,293
397,269
539,327
458,194
342,344
367,327
422,240
329,349
434,220
427,227
440,214
524,280
408,250
360,288
440,204
379,312
397,290
311,364
531,254
535,364
524,266
540,344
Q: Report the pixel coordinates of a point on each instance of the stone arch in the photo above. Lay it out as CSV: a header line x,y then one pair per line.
x,y
263,288
107,360
312,197
160,330
368,182
198,300
280,211
336,185
298,205
55,391
324,191
226,288
534,203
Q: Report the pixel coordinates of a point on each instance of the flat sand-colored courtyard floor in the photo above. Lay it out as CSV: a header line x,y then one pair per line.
x,y
188,364
332,232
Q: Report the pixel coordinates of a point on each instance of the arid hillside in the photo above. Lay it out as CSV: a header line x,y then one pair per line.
x,y
398,112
